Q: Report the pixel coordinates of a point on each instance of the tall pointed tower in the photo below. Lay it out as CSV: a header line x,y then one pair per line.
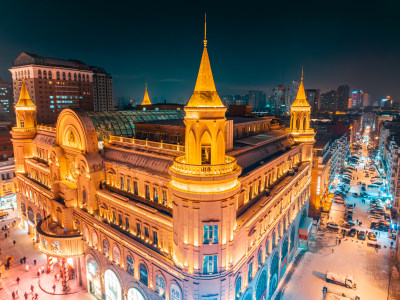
x,y
204,184
25,131
146,99
300,112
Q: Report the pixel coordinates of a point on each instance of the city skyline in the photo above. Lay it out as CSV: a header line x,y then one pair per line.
x,y
158,46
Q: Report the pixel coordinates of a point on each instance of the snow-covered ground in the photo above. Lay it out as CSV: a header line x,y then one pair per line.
x,y
368,266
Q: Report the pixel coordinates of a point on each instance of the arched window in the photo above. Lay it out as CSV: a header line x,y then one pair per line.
x,y
135,294
292,238
69,76
238,288
45,74
63,76
116,254
87,77
113,286
79,77
160,285
40,73
85,234
84,202
83,77
267,248
261,285
58,75
250,272
260,258
105,247
143,274
175,292
50,75
75,76
95,240
38,218
130,267
31,215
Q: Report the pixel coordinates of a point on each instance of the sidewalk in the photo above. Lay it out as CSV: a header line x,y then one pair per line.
x,y
25,247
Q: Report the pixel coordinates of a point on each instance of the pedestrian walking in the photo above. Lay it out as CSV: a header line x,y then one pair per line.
x,y
333,250
34,262
21,261
24,258
14,242
36,296
13,295
5,235
54,289
32,288
26,296
38,274
340,240
18,280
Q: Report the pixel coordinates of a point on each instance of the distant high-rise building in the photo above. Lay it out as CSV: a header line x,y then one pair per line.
x,y
328,101
257,99
343,98
102,90
314,99
291,94
55,84
365,99
6,99
357,98
277,101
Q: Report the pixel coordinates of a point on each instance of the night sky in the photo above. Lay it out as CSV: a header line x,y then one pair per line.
x,y
252,45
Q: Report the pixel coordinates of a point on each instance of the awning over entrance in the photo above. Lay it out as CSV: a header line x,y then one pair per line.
x,y
305,228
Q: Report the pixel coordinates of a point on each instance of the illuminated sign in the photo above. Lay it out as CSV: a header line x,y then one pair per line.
x,y
319,185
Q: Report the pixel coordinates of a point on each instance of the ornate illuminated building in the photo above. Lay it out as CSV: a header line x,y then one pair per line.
x,y
141,219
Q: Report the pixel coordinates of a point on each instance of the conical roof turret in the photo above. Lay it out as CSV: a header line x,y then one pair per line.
x,y
146,99
24,99
301,99
205,94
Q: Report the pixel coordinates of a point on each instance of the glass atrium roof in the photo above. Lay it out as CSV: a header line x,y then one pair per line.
x,y
122,123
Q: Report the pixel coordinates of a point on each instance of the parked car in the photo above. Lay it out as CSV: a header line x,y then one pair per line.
x,y
361,235
339,200
333,226
350,224
371,236
355,195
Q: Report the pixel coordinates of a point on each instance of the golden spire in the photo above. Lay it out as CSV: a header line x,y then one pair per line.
x,y
301,99
146,99
24,99
205,94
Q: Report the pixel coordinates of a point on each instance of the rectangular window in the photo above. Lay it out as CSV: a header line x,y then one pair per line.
x,y
122,183
114,217
210,264
210,234
119,219
128,185
146,232
138,230
155,195
155,238
164,195
135,188
127,224
147,192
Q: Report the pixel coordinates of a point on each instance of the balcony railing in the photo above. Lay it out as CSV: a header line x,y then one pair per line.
x,y
207,170
46,128
18,129
146,143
